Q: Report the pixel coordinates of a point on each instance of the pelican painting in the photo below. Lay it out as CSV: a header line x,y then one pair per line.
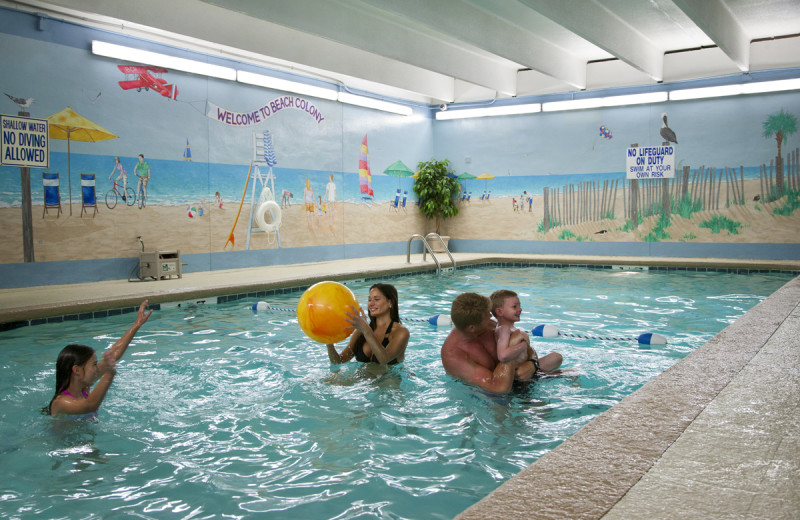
x,y
666,132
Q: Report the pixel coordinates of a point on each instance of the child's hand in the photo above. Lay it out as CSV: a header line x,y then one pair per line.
x,y
111,362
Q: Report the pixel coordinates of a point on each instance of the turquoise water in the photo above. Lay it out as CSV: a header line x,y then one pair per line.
x,y
218,412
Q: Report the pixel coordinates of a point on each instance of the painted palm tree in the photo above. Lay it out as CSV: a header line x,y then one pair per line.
x,y
780,125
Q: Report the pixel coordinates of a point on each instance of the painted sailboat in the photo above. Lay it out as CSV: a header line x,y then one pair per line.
x,y
364,174
187,154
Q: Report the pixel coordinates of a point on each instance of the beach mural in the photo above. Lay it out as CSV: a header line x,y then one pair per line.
x,y
267,170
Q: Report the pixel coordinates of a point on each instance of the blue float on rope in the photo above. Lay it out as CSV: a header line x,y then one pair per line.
x,y
648,338
542,331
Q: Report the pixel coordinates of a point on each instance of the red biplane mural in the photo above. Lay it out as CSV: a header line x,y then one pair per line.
x,y
147,78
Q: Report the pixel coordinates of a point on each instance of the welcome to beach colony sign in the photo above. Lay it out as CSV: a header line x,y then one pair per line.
x,y
261,113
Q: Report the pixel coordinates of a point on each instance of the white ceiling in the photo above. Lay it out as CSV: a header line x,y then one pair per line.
x,y
443,51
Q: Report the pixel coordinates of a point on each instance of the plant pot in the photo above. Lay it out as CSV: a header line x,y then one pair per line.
x,y
436,244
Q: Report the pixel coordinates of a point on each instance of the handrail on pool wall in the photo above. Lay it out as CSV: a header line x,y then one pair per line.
x,y
427,249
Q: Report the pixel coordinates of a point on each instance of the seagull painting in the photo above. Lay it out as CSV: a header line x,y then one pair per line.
x,y
666,132
23,103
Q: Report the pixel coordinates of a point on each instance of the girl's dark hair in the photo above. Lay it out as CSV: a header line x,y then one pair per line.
x,y
390,293
70,356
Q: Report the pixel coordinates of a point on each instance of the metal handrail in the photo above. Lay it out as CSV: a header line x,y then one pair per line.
x,y
427,249
446,249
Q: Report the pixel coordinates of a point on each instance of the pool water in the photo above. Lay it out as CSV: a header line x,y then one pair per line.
x,y
219,412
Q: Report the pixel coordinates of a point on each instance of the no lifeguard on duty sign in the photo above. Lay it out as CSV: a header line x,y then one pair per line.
x,y
25,142
650,162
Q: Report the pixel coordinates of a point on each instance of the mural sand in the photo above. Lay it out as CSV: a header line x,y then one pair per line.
x,y
113,233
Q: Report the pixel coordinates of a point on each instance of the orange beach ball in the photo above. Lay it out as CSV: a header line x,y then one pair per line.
x,y
322,310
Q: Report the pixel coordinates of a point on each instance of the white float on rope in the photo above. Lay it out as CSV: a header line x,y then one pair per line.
x,y
648,338
439,320
541,331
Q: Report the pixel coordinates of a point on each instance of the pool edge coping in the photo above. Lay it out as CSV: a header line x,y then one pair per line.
x,y
591,471
125,301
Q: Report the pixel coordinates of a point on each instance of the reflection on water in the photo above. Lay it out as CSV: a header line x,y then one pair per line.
x,y
219,412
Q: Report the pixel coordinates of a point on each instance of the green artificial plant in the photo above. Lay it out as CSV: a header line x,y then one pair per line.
x,y
437,191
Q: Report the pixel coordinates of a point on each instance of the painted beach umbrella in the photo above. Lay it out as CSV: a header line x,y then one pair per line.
x,y
71,126
466,177
399,170
486,177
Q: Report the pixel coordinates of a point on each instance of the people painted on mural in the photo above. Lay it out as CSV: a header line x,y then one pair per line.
x,y
142,170
77,370
383,339
308,201
218,200
123,174
330,201
286,197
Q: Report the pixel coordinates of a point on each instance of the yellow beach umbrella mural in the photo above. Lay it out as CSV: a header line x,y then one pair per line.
x,y
71,126
486,177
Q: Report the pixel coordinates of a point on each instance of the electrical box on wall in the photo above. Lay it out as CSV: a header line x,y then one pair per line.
x,y
159,265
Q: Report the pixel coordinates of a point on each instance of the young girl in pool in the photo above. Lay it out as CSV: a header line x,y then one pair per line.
x,y
77,370
384,339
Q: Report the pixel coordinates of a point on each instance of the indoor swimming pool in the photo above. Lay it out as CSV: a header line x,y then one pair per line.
x,y
222,412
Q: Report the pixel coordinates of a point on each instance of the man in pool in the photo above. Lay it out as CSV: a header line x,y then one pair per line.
x,y
469,352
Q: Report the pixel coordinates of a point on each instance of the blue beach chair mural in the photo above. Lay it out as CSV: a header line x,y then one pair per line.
x,y
405,198
396,204
88,196
52,195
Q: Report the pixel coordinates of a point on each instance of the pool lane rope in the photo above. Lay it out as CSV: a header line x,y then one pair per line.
x,y
541,331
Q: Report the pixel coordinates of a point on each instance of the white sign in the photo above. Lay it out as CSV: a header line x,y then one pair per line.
x,y
24,142
650,162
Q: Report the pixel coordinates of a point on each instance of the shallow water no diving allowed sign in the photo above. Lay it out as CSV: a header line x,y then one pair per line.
x,y
24,142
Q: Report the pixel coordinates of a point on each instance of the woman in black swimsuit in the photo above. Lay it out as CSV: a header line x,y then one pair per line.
x,y
384,339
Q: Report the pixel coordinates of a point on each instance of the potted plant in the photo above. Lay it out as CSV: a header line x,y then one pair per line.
x,y
437,189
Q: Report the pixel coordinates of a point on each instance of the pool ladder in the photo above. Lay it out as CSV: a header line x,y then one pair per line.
x,y
426,248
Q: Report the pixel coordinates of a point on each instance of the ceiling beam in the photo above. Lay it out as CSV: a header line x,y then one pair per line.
x,y
714,19
482,29
222,31
595,23
358,25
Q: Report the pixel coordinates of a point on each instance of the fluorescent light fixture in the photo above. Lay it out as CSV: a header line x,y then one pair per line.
x,y
352,99
121,52
735,90
771,86
285,85
507,110
705,92
611,101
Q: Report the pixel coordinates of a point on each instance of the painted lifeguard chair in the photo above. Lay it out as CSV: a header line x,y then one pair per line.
x,y
52,193
263,156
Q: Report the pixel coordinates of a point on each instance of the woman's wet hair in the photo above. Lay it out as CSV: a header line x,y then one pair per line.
x,y
390,293
70,356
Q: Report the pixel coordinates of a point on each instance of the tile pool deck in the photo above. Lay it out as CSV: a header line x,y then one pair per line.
x,y
715,436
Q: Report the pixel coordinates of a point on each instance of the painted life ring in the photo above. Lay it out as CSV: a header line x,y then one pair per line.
x,y
272,207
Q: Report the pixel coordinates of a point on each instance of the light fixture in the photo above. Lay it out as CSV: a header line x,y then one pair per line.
x,y
285,85
121,52
610,101
735,90
506,110
352,99
705,92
